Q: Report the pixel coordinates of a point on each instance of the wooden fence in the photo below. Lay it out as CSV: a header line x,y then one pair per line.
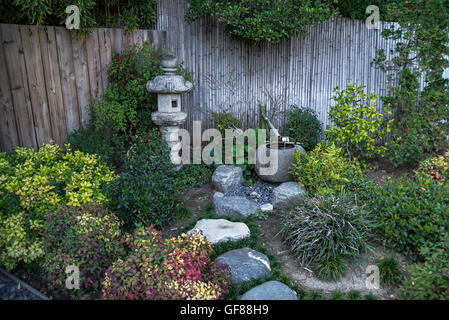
x,y
48,77
235,76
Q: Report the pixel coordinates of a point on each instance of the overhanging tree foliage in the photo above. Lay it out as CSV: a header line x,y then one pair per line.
x,y
422,49
263,20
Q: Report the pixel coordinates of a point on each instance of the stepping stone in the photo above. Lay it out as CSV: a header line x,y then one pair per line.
x,y
271,290
286,192
245,264
221,230
234,207
227,178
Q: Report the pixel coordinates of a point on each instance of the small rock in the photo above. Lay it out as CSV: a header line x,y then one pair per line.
x,y
286,192
271,290
266,207
227,178
234,207
221,230
254,194
245,264
218,194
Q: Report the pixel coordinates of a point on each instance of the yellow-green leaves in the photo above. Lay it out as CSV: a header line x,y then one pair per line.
x,y
358,126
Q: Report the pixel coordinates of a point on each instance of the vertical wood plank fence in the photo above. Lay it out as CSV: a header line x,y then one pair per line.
x,y
48,77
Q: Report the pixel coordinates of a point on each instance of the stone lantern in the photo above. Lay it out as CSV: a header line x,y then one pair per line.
x,y
169,116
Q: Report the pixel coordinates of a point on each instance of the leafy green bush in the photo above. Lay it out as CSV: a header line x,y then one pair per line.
x,y
323,230
175,268
390,270
436,168
429,280
88,237
126,96
193,175
323,170
357,123
34,183
240,153
413,214
262,20
145,193
225,121
304,127
422,51
110,148
357,9
138,14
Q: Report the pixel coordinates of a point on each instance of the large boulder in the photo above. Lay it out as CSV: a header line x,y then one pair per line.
x,y
227,178
287,192
245,264
271,290
234,207
285,153
221,230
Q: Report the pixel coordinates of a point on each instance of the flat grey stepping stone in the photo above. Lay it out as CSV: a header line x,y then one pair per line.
x,y
271,290
221,230
245,264
234,207
227,178
287,192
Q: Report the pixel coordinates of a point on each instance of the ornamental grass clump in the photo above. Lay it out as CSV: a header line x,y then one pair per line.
x,y
325,229
160,269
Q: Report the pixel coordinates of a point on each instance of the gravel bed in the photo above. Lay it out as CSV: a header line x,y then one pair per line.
x,y
264,190
11,290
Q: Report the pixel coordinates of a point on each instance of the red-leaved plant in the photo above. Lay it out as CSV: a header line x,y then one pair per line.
x,y
165,269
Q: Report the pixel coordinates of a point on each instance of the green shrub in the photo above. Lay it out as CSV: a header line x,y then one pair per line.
x,y
88,237
357,123
175,268
34,183
126,97
390,270
193,175
323,170
110,147
225,121
357,9
413,214
362,189
429,280
240,154
420,55
304,127
262,20
145,193
324,229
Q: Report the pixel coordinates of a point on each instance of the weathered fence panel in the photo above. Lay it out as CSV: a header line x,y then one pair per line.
x,y
235,76
48,77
